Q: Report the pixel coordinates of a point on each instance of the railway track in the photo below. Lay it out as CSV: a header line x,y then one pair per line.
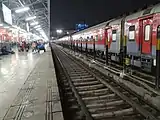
x,y
132,73
92,96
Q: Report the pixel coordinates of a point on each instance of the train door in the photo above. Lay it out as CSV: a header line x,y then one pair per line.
x,y
147,36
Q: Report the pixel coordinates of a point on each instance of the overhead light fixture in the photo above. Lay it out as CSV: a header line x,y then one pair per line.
x,y
24,9
59,31
31,18
37,26
1,24
6,27
34,23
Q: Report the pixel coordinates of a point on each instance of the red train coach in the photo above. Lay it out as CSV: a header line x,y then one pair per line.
x,y
140,30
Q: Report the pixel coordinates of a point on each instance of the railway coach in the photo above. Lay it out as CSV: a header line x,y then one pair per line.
x,y
138,32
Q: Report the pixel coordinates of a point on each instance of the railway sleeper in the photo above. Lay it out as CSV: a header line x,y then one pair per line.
x,y
102,100
108,96
128,111
105,104
111,95
79,74
98,110
85,83
83,79
94,92
97,94
108,108
93,87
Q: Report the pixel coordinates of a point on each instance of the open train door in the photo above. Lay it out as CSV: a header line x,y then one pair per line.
x,y
147,36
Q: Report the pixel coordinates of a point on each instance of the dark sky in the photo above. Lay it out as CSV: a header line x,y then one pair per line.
x,y
66,13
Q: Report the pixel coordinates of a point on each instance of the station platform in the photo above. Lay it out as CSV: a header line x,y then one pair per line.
x,y
28,87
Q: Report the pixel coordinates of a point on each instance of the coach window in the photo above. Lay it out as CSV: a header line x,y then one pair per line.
x,y
131,33
91,39
114,35
158,33
101,37
108,37
88,39
147,32
96,37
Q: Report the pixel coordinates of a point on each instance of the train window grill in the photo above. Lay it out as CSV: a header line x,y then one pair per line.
x,y
131,33
147,11
114,35
147,32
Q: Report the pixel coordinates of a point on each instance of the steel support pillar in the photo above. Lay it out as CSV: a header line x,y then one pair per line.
x,y
106,51
71,45
94,49
77,46
81,47
124,53
158,59
74,46
86,48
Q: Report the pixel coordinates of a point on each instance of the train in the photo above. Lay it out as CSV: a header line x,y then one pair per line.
x,y
140,30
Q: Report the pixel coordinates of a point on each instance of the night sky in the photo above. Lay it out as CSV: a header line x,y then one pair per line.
x,y
66,13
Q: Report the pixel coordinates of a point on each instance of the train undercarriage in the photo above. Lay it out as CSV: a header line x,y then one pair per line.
x,y
141,63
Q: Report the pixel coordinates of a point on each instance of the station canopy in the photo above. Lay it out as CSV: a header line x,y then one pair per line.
x,y
28,15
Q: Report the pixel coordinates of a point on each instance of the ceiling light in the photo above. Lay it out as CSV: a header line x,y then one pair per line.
x,y
34,23
59,31
6,27
37,26
31,18
24,9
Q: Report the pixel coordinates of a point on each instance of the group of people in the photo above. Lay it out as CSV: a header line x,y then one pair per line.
x,y
23,46
36,46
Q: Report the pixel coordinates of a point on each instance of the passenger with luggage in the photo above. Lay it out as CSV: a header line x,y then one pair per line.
x,y
6,51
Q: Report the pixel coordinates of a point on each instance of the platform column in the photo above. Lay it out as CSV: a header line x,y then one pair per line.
x,y
158,59
94,49
86,48
106,51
